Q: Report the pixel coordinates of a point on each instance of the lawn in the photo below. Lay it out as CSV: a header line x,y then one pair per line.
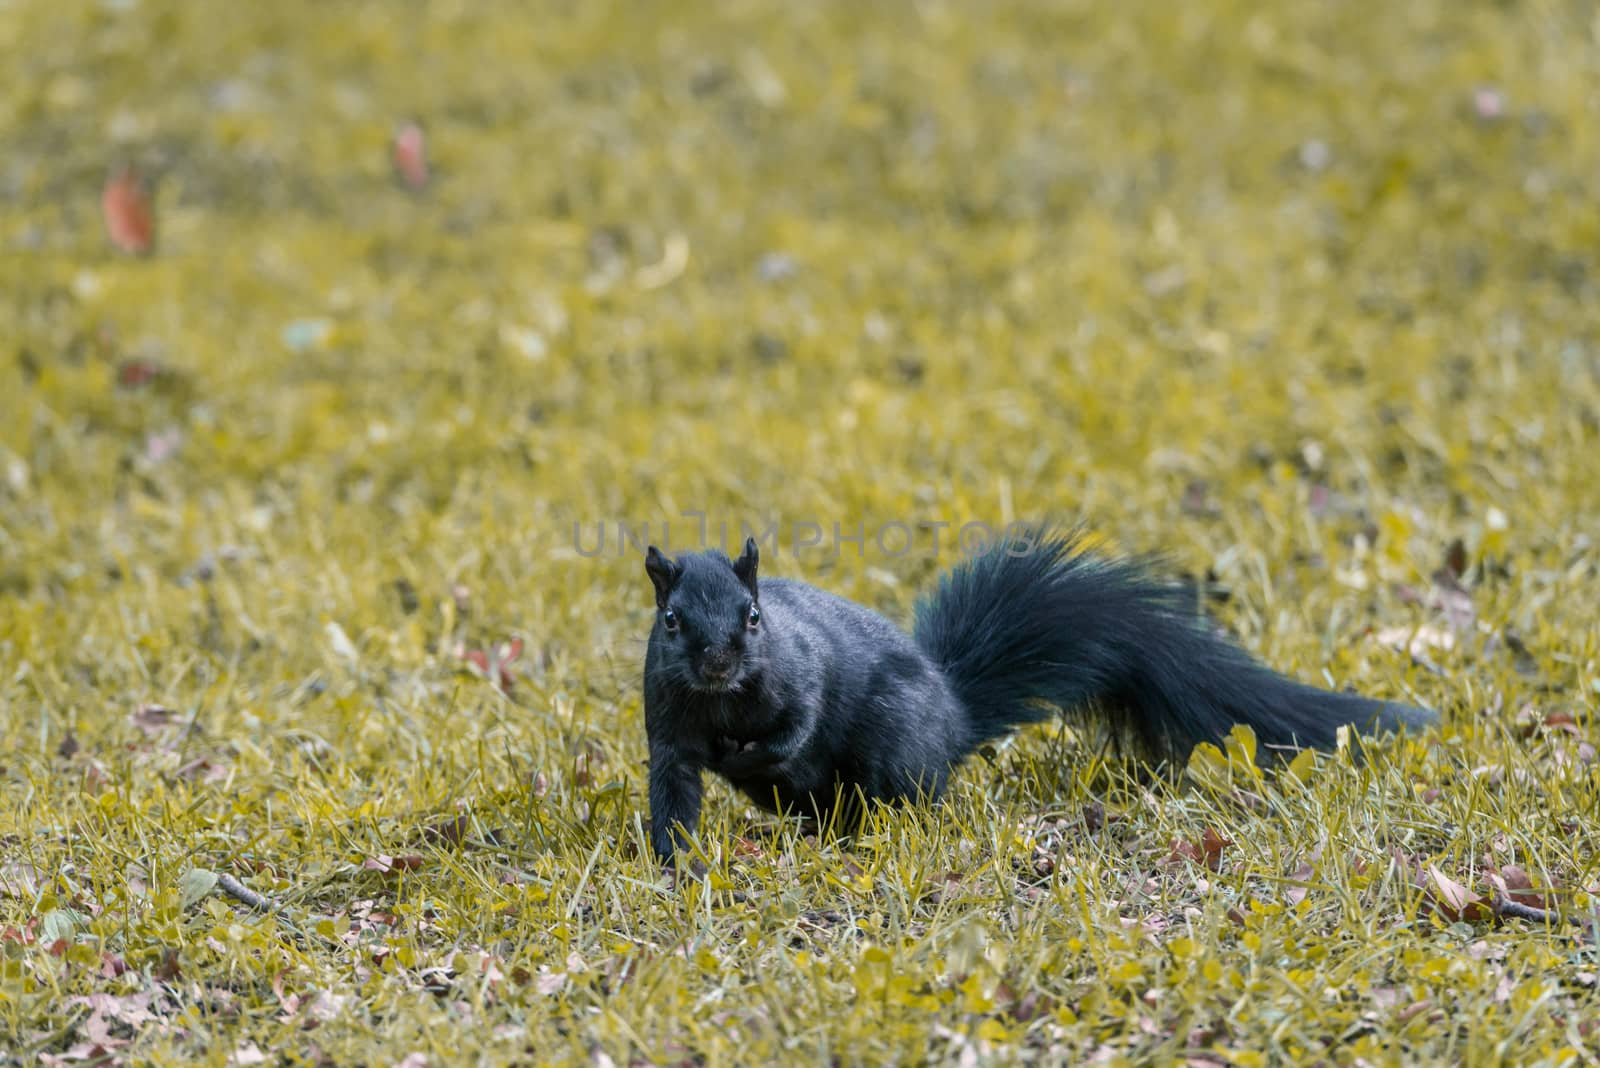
x,y
320,717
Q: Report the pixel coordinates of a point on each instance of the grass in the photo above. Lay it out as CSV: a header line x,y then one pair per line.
x,y
1301,294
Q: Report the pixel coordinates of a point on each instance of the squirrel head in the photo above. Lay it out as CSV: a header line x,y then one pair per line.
x,y
708,616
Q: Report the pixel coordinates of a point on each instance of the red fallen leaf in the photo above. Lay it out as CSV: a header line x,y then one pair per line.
x,y
58,948
131,374
1530,719
111,965
495,664
390,865
1212,844
1513,882
1454,901
1182,850
128,211
410,156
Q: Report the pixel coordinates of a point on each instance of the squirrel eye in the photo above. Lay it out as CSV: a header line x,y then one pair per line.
x,y
754,617
670,618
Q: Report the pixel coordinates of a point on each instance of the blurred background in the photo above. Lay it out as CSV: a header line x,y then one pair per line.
x,y
338,318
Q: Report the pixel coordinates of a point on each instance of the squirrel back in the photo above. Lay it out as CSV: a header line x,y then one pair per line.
x,y
807,701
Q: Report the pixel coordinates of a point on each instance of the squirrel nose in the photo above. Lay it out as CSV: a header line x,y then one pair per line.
x,y
717,662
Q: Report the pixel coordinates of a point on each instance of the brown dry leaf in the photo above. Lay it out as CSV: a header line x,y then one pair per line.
x,y
1212,844
1531,720
1515,883
1182,850
451,832
1454,901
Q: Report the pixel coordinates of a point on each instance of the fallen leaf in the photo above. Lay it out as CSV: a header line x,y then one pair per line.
x,y
195,884
152,719
19,879
131,374
1299,884
1454,901
1514,882
128,212
409,153
1212,844
495,663
248,1053
451,832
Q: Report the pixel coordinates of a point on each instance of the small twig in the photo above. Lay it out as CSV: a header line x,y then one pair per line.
x,y
242,893
1504,906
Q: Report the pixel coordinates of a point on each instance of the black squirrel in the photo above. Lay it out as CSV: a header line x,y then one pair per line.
x,y
808,702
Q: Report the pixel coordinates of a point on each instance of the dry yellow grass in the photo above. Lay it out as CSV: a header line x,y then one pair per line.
x,y
1300,293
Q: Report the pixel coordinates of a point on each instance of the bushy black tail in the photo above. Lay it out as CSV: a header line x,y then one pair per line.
x,y
1039,622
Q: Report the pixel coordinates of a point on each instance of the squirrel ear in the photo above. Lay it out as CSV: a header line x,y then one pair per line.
x,y
745,566
663,572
